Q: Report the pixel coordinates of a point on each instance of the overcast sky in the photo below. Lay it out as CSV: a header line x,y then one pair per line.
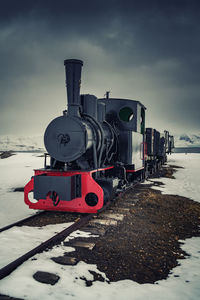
x,y
142,50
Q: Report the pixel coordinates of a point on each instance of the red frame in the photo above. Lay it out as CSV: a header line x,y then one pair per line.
x,y
88,185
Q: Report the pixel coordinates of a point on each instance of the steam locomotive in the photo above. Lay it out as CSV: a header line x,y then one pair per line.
x,y
95,150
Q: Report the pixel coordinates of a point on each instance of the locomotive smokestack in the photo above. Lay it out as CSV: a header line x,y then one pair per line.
x,y
73,80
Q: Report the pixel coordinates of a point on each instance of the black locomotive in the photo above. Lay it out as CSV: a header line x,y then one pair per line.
x,y
97,148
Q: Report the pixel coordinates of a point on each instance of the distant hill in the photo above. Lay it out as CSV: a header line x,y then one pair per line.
x,y
187,140
21,143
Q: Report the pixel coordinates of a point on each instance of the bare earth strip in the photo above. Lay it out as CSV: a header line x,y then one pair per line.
x,y
145,246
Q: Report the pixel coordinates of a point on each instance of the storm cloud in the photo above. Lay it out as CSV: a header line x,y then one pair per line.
x,y
143,50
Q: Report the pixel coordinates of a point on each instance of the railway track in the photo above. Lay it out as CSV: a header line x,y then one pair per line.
x,y
5,271
57,238
20,222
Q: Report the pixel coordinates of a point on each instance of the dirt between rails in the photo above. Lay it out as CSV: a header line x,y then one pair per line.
x,y
51,217
145,246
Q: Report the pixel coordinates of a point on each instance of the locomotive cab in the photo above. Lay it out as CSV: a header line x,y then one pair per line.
x,y
128,118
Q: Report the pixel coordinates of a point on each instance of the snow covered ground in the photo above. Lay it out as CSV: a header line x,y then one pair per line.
x,y
183,283
16,171
187,181
21,143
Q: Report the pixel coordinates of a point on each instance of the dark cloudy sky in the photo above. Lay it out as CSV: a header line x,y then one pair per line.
x,y
143,50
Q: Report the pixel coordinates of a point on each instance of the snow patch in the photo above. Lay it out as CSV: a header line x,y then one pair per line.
x,y
187,179
21,143
16,171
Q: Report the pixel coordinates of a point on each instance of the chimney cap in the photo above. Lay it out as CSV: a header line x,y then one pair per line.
x,y
73,61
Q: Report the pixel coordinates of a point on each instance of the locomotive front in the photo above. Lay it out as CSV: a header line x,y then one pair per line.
x,y
96,149
68,137
82,147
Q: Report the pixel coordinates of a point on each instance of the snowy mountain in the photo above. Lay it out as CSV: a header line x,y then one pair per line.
x,y
21,143
185,140
35,143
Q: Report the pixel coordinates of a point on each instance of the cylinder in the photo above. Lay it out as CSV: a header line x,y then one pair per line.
x,y
73,80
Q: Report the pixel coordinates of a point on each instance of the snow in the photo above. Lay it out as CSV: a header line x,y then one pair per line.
x,y
182,283
19,240
21,143
16,171
187,179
